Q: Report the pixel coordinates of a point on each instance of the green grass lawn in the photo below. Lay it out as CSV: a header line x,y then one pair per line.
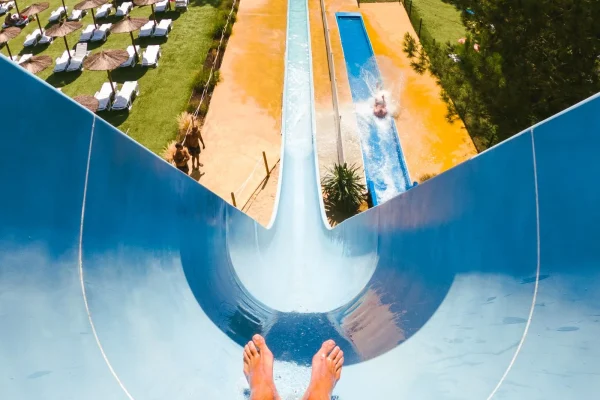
x,y
164,91
441,21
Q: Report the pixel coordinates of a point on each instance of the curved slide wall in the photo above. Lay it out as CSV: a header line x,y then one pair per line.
x,y
121,278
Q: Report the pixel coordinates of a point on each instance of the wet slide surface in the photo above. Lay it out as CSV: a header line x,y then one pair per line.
x,y
385,168
121,278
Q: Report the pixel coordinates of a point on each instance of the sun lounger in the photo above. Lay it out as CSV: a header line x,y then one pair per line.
x,y
124,9
151,56
104,96
32,38
104,10
77,15
56,14
163,28
125,96
21,22
87,33
45,39
101,33
161,6
181,4
81,53
62,62
5,7
147,29
23,58
131,61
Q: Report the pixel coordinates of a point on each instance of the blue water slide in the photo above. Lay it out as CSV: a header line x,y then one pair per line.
x,y
385,167
122,278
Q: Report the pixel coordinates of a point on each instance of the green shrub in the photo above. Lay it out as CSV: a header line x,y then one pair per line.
x,y
202,80
343,190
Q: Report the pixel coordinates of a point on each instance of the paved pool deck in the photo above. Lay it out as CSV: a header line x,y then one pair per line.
x,y
244,117
430,143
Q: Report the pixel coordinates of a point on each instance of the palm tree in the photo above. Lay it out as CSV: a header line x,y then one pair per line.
x,y
343,190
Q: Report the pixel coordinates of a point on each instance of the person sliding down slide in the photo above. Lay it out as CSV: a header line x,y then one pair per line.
x,y
258,368
380,108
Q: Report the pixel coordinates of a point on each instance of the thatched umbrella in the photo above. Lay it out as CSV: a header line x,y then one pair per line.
x,y
37,64
89,102
150,3
62,30
90,5
16,5
7,34
35,9
106,60
129,25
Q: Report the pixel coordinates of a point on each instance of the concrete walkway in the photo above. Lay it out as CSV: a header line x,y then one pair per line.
x,y
430,143
244,118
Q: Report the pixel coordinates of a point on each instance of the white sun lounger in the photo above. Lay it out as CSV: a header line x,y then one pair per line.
x,y
101,33
5,7
77,15
125,96
62,62
104,10
181,4
23,58
147,29
104,96
161,6
56,14
87,33
151,56
131,60
81,53
163,28
32,38
124,9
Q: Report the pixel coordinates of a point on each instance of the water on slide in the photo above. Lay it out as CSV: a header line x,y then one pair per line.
x,y
121,278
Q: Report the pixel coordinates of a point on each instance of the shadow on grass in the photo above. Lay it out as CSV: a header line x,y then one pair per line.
x,y
169,14
129,74
115,118
202,3
35,50
60,79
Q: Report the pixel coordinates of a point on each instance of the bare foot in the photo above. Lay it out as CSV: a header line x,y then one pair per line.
x,y
258,368
326,371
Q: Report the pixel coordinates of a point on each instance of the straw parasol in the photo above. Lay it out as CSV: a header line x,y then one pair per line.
x,y
7,34
129,25
36,64
106,60
90,5
35,9
16,5
62,30
150,3
89,102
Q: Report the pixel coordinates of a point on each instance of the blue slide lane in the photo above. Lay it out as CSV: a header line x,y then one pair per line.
x,y
385,167
122,278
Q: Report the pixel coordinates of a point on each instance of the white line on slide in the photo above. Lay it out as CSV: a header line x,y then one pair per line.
x,y
537,273
83,293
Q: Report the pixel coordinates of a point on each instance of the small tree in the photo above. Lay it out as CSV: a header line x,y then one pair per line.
x,y
344,191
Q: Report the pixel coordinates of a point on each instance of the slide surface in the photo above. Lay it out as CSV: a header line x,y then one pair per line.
x,y
122,278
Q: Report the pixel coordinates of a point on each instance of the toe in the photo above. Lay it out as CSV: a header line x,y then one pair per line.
x,y
253,350
326,348
338,356
247,352
261,344
339,363
334,353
